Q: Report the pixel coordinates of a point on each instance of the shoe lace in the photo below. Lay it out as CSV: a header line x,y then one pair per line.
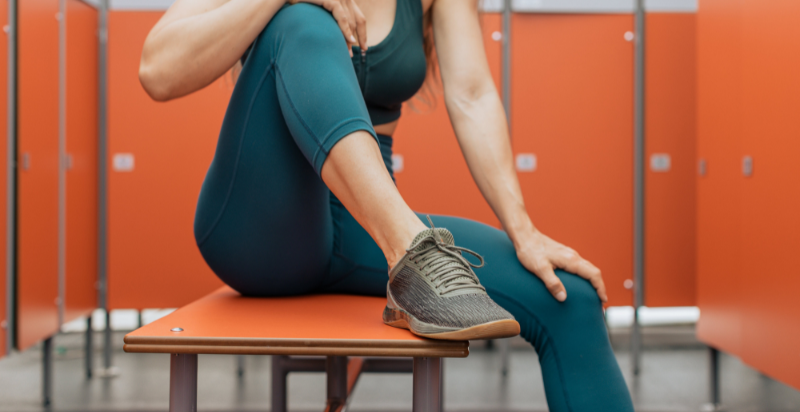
x,y
447,268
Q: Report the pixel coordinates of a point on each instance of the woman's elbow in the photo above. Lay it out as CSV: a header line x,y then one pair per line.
x,y
154,82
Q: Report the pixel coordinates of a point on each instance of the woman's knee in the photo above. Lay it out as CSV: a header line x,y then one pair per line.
x,y
580,292
305,25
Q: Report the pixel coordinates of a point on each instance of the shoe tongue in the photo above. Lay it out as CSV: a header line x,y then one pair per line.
x,y
442,233
447,238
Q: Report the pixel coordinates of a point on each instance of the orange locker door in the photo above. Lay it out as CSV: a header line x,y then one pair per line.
x,y
719,198
81,225
770,196
37,268
572,108
158,157
671,166
424,143
4,320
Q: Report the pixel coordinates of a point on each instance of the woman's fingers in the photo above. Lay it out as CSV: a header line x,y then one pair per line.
x,y
349,18
343,19
570,261
360,25
544,270
593,275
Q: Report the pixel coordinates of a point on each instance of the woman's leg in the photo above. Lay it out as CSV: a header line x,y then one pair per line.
x,y
578,366
309,68
263,219
372,198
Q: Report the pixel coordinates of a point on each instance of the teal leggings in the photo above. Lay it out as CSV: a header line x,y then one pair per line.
x,y
268,226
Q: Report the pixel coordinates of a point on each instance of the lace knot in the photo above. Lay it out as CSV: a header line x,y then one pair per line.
x,y
446,267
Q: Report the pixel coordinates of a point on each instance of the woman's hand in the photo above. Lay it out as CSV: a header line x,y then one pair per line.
x,y
541,255
349,17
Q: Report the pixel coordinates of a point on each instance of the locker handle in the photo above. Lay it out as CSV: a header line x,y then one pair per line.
x,y
25,161
747,166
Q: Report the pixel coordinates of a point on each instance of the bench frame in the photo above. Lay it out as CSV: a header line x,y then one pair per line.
x,y
343,340
342,374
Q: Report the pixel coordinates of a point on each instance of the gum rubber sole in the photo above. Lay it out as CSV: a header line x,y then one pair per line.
x,y
498,329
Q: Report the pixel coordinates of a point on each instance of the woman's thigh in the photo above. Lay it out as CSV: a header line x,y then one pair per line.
x,y
263,220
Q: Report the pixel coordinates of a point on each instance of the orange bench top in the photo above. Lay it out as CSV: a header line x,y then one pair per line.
x,y
224,322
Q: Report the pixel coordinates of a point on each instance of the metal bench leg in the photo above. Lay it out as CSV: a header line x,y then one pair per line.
x,y
107,348
428,386
183,383
505,347
240,365
713,381
47,372
279,373
89,348
336,371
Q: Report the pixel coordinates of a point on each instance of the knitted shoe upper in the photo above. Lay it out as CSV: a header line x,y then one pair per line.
x,y
436,284
415,296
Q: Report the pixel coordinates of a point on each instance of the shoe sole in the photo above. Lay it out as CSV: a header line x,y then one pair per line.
x,y
498,329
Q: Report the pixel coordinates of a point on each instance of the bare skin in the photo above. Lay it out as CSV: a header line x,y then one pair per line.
x,y
355,173
197,41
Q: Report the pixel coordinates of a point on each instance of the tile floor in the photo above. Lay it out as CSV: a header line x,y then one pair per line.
x,y
673,378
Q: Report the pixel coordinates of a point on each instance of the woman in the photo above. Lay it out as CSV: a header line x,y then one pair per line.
x,y
300,199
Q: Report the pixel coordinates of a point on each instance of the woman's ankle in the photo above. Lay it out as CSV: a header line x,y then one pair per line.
x,y
401,241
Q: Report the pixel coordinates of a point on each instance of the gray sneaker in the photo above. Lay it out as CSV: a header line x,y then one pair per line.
x,y
434,293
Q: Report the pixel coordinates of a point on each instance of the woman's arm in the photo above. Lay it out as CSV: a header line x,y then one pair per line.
x,y
197,41
480,123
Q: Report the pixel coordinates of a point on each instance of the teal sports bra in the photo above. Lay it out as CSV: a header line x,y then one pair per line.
x,y
393,70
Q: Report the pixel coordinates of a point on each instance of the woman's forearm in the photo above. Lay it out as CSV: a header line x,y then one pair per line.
x,y
195,43
482,132
481,127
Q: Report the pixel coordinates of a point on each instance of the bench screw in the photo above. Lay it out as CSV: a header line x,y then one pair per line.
x,y
176,330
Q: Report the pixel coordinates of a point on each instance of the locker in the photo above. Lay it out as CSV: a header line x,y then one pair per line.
x,y
153,261
719,108
747,202
670,133
572,107
770,230
81,152
37,202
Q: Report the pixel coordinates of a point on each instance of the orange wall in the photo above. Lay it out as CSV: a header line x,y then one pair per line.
x,y
3,176
37,201
670,129
748,226
572,107
81,242
153,259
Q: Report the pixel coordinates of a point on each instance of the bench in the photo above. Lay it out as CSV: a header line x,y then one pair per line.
x,y
338,334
